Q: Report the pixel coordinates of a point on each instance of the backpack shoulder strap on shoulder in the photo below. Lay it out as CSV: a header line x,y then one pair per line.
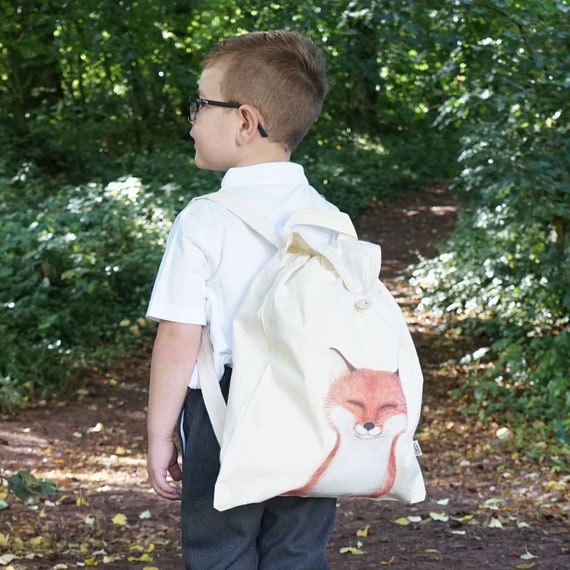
x,y
317,217
240,209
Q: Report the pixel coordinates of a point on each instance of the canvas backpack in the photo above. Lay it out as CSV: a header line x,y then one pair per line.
x,y
326,386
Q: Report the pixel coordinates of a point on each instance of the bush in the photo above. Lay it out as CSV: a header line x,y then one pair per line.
x,y
355,170
26,486
76,276
503,277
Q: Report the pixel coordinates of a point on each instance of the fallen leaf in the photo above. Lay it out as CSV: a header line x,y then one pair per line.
x,y
492,504
527,555
137,547
443,502
97,428
387,562
464,518
351,550
503,433
442,517
39,542
495,523
119,518
81,502
145,515
403,521
142,558
364,531
99,553
61,500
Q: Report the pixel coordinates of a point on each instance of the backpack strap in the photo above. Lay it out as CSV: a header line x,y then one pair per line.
x,y
210,386
240,209
317,217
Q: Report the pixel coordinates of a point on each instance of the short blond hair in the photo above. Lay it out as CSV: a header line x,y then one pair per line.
x,y
281,73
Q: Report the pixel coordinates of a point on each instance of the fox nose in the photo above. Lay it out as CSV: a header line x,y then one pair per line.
x,y
368,426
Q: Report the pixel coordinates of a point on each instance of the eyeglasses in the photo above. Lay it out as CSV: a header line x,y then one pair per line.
x,y
195,104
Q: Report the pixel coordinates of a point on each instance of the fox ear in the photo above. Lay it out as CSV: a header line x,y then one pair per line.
x,y
349,366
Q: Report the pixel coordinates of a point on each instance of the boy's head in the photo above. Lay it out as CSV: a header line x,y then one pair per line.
x,y
280,73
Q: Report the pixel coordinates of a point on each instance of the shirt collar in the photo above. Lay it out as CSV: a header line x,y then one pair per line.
x,y
267,174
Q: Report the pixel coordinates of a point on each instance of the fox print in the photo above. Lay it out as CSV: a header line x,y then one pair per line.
x,y
367,411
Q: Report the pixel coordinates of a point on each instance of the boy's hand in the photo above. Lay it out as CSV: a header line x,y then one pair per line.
x,y
163,460
173,358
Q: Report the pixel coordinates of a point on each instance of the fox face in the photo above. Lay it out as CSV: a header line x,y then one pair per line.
x,y
367,411
362,401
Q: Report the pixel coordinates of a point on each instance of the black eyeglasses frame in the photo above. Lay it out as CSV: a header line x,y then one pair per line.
x,y
196,103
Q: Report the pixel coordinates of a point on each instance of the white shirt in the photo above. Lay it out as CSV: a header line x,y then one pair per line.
x,y
211,256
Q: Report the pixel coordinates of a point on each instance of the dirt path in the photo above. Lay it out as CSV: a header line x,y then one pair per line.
x,y
485,508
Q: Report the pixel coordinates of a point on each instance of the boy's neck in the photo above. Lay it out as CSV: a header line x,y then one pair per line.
x,y
261,153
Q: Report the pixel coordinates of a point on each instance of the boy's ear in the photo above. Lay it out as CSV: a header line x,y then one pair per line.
x,y
249,121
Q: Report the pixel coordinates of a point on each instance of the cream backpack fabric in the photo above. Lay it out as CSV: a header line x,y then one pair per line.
x,y
326,386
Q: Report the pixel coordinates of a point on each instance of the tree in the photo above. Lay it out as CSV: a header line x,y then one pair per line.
x,y
507,267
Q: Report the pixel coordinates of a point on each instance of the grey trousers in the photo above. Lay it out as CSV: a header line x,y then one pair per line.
x,y
283,533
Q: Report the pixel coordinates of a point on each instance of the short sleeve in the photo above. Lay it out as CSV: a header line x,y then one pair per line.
x,y
179,293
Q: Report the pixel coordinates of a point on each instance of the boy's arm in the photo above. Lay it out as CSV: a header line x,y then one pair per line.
x,y
173,359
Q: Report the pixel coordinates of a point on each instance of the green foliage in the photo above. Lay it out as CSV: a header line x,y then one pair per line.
x,y
505,272
115,76
96,161
545,443
492,287
355,170
76,276
26,486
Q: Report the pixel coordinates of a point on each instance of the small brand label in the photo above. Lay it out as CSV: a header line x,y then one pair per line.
x,y
417,448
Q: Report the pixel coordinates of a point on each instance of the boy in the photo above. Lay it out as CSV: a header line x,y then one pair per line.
x,y
259,95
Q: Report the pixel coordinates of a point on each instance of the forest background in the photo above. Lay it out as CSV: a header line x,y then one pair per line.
x,y
96,162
